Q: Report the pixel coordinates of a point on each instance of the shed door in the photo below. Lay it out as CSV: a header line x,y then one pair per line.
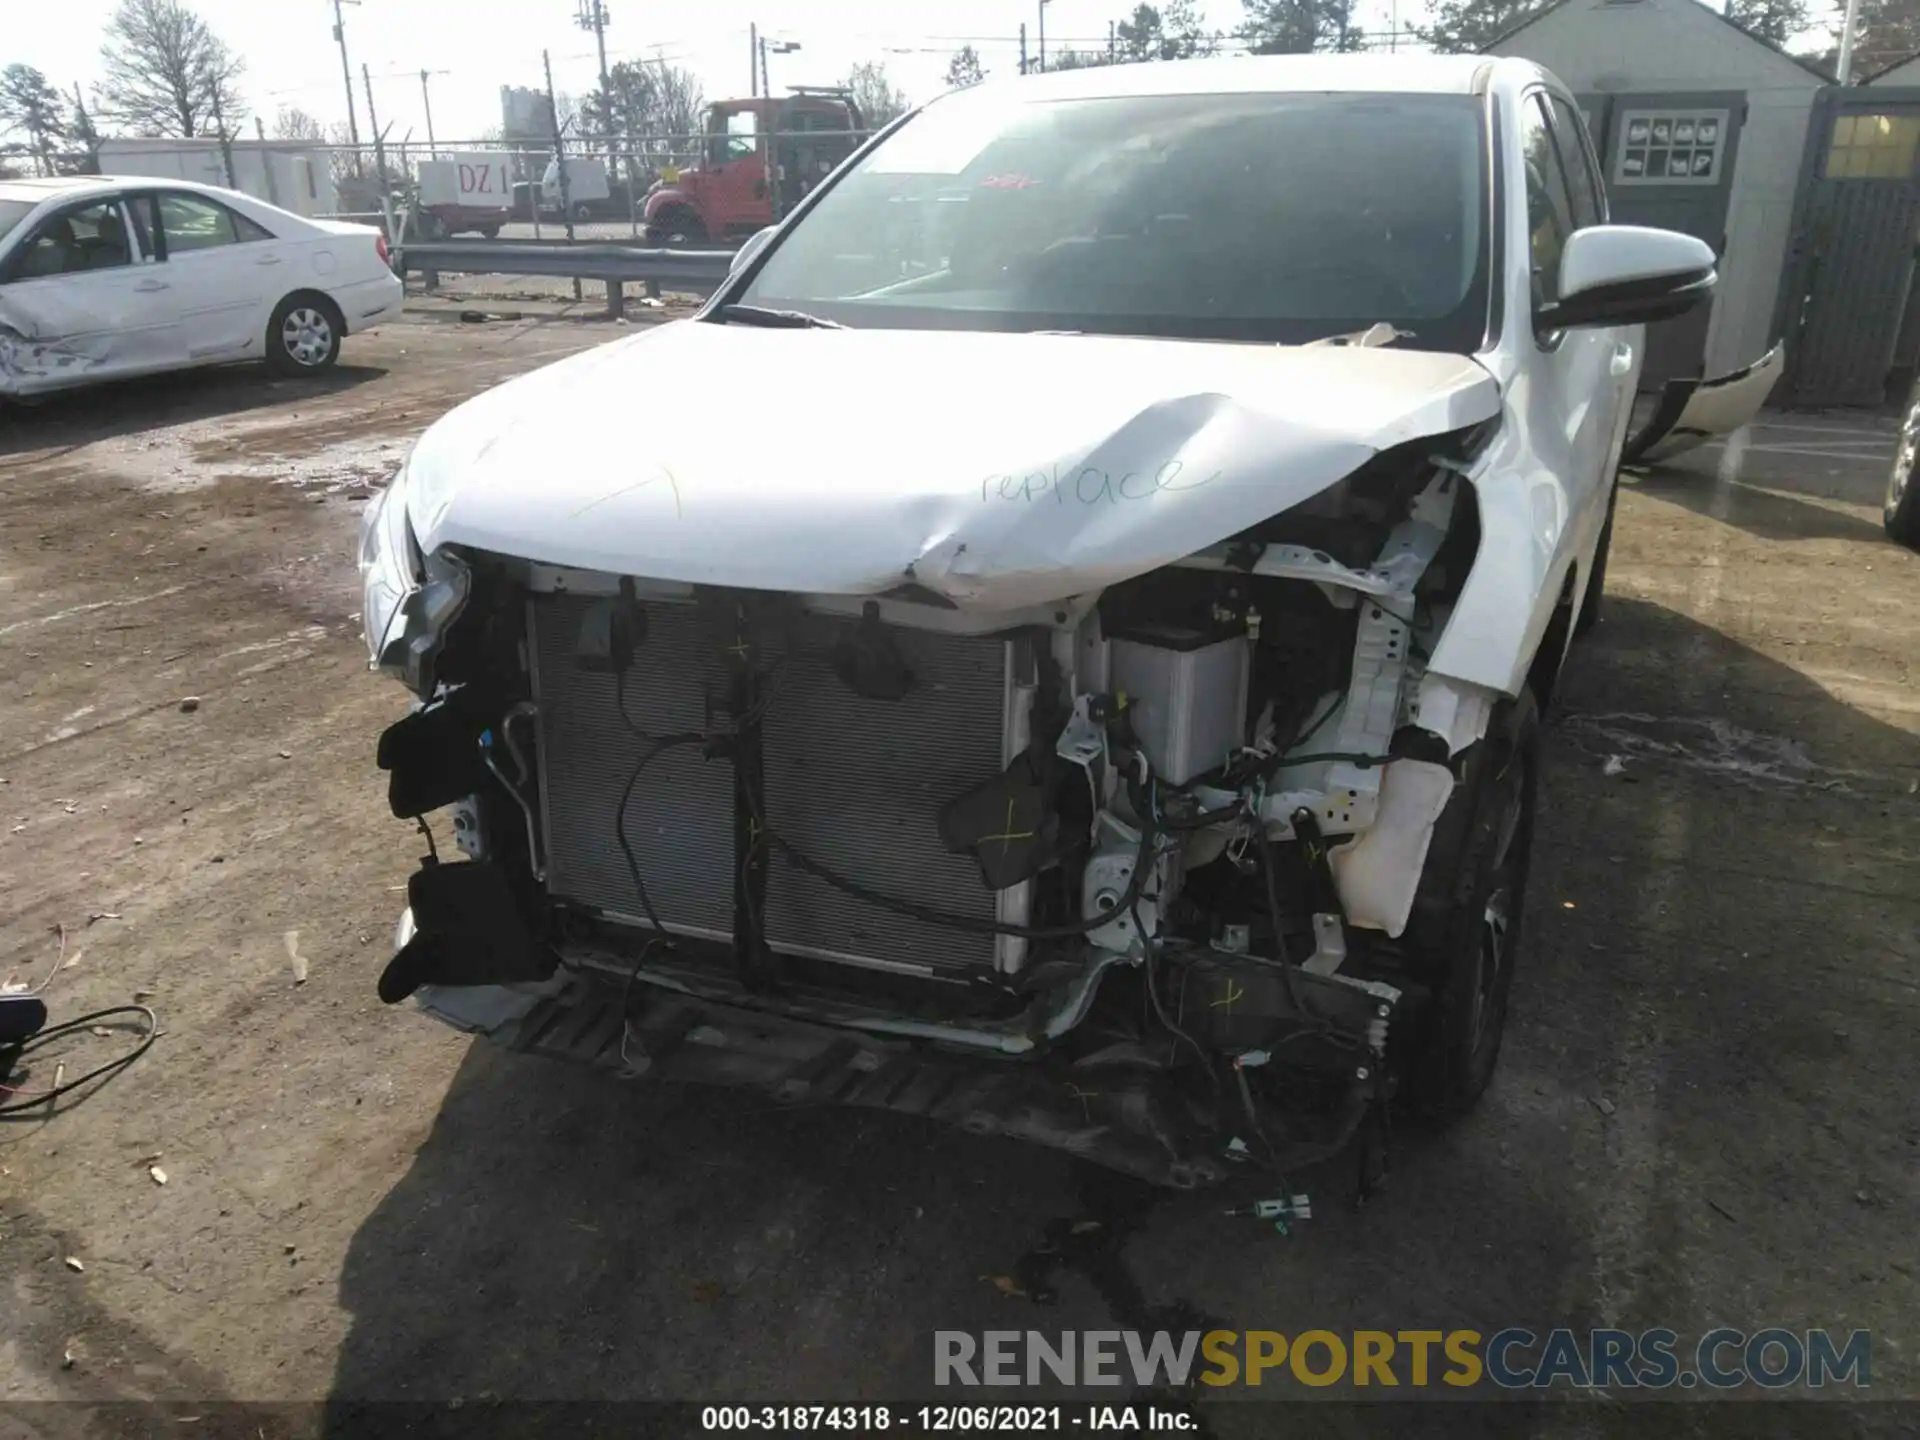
x,y
1854,239
1668,161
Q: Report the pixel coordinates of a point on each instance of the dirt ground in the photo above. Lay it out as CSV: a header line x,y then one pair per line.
x,y
1706,1112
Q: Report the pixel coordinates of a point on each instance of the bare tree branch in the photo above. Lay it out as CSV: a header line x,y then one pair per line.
x,y
167,72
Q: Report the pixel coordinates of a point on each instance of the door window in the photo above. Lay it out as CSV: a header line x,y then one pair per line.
x,y
87,237
1872,147
194,223
739,139
1549,202
1589,198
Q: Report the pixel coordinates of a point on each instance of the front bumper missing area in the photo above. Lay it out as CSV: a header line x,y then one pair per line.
x,y
1127,1117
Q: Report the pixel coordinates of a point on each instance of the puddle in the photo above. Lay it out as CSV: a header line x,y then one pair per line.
x,y
1718,747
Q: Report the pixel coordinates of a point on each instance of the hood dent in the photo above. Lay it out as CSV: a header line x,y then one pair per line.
x,y
1056,466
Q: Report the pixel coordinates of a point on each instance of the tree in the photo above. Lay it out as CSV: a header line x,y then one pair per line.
x,y
880,101
167,73
29,105
1775,20
1299,27
645,99
964,69
1170,32
293,123
83,156
1465,27
1077,60
1888,32
648,105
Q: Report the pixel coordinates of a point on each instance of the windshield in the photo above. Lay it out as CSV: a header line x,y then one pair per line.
x,y
1270,217
12,212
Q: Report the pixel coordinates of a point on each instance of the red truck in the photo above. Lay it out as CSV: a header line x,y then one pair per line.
x,y
728,195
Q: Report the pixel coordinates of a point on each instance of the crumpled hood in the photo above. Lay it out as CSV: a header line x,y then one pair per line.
x,y
998,470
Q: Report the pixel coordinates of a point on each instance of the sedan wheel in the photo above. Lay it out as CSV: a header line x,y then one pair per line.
x,y
307,335
304,336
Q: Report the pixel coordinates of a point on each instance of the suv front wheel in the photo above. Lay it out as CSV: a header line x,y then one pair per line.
x,y
1463,939
1901,515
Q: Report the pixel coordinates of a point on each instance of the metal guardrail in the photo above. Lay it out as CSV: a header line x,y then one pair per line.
x,y
692,272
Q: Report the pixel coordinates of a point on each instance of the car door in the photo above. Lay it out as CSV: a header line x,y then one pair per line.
x,y
1582,370
225,271
83,302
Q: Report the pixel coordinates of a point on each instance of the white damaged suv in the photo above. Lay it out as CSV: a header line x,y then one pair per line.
x,y
1067,656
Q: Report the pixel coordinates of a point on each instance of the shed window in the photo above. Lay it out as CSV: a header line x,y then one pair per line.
x,y
1670,147
1872,147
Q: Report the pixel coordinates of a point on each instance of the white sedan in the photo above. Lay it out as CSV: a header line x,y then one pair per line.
x,y
103,278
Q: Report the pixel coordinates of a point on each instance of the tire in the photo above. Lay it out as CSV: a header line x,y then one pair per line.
x,y
1901,515
489,232
1597,572
582,213
303,337
1464,937
678,225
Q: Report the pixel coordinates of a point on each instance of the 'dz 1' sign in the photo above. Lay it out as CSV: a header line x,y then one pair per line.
x,y
483,178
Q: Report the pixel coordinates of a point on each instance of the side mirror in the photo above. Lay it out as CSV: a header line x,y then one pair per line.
x,y
756,242
1629,275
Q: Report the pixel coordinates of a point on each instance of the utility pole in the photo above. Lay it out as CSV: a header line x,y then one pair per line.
x,y
379,152
593,16
266,160
427,100
773,47
1043,35
1023,47
1111,52
346,74
1843,72
753,59
86,125
220,129
559,159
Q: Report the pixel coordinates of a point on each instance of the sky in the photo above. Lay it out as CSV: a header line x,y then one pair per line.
x,y
472,47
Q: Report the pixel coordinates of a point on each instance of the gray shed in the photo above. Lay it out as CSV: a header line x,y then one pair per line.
x,y
1906,73
1700,126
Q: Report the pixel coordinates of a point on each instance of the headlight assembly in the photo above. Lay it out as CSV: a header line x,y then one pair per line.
x,y
408,599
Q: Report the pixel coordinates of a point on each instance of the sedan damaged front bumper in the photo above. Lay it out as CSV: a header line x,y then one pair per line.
x,y
1117,1110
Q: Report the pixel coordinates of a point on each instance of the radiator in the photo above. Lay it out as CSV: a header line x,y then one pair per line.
x,y
854,784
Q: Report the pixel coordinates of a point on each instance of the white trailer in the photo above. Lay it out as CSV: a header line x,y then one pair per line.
x,y
472,190
292,174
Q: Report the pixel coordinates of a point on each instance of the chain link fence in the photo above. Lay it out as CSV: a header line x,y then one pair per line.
x,y
734,183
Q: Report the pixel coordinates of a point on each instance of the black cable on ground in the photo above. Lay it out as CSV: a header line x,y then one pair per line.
x,y
68,1027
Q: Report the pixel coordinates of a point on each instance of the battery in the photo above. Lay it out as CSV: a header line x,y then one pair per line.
x,y
1187,696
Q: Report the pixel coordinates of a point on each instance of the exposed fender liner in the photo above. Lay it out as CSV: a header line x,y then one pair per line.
x,y
1692,412
1378,874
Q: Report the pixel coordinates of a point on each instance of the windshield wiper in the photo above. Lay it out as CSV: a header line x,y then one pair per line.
x,y
1378,333
777,319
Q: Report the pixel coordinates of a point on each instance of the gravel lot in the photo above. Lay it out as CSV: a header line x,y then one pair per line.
x,y
1706,1112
